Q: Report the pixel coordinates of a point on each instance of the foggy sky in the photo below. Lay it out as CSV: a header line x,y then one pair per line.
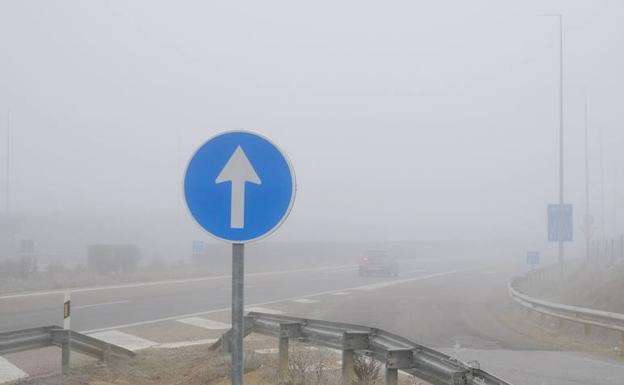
x,y
403,120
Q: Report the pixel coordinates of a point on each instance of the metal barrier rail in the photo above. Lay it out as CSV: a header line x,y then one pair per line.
x,y
28,339
395,352
581,315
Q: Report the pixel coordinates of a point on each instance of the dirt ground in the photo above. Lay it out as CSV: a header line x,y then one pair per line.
x,y
189,366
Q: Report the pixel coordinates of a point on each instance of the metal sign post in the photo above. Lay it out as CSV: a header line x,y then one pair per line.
x,y
238,327
239,187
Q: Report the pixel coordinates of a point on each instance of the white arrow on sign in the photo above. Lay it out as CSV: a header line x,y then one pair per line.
x,y
238,170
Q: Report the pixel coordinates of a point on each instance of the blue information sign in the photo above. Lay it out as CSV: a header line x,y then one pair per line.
x,y
198,247
554,225
239,186
533,258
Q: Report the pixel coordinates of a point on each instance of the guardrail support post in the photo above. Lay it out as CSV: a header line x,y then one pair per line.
x,y
622,343
587,329
106,353
282,373
351,341
348,371
287,330
392,376
395,360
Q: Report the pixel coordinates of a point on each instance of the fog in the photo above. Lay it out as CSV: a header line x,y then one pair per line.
x,y
404,121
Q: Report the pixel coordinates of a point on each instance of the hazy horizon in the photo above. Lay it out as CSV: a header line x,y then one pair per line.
x,y
398,126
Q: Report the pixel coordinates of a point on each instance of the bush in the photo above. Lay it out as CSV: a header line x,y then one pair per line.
x,y
116,259
366,370
21,269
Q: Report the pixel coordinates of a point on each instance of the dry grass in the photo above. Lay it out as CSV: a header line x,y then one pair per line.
x,y
198,366
188,366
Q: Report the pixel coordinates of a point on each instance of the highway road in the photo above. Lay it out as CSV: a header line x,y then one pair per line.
x,y
451,304
113,306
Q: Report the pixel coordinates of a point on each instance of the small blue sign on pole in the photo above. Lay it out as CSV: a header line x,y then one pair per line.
x,y
533,258
555,228
198,247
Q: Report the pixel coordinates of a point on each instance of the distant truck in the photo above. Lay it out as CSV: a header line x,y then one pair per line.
x,y
378,262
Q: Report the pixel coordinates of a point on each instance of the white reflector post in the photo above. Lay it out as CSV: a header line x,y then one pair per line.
x,y
67,311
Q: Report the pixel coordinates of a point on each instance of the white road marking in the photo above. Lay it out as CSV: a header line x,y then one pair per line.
x,y
341,293
183,344
100,304
380,285
124,340
267,351
257,309
306,300
414,271
204,323
175,281
201,313
10,372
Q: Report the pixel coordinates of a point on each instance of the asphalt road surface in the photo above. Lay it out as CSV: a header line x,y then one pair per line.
x,y
451,304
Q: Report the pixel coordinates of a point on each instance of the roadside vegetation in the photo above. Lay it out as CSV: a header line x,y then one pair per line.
x,y
199,366
26,273
589,284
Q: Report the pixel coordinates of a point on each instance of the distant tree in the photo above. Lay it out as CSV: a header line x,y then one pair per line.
x,y
23,268
113,259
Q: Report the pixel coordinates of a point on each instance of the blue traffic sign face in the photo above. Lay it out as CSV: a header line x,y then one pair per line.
x,y
555,228
198,247
239,186
533,258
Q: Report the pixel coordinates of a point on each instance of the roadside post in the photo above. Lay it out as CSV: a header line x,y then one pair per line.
x,y
239,187
65,345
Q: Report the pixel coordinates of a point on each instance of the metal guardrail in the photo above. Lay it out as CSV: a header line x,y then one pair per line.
x,y
395,352
581,315
67,340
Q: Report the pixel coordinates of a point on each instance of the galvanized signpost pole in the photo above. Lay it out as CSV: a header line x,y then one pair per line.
x,y
238,327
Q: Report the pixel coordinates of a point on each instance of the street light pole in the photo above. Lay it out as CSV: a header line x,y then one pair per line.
x,y
560,211
8,164
588,220
603,225
560,216
561,249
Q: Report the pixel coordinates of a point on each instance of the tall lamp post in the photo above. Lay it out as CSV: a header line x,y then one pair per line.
x,y
561,163
588,226
7,164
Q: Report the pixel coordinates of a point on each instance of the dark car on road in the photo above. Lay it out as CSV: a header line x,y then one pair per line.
x,y
378,262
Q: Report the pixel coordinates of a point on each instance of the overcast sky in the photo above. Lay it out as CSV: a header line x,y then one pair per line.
x,y
403,120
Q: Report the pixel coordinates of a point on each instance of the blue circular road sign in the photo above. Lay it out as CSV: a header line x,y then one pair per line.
x,y
239,186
